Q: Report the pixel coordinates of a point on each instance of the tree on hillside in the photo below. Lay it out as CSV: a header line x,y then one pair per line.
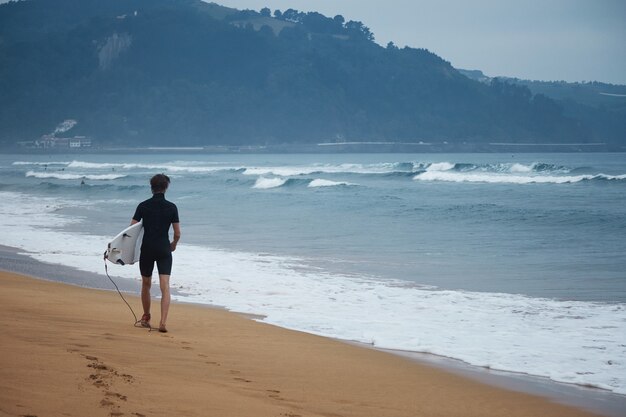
x,y
318,23
360,29
292,15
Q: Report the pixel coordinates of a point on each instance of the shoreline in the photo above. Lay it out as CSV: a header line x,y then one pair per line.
x,y
584,398
212,362
592,399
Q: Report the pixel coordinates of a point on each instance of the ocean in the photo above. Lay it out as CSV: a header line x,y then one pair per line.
x,y
514,262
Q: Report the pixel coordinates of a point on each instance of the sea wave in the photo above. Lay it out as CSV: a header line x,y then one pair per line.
x,y
405,168
97,186
39,163
347,168
327,183
70,176
495,178
440,166
514,167
264,183
192,167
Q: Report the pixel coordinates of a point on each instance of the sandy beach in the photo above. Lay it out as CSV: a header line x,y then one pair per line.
x,y
71,351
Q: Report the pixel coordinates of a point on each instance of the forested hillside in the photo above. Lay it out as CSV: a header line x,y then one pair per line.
x,y
185,72
601,107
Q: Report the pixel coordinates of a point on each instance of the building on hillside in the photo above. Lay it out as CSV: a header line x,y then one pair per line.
x,y
51,142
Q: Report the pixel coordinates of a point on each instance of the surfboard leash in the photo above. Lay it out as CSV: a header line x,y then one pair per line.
x,y
106,270
137,322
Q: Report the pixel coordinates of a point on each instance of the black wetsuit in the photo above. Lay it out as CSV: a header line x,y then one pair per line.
x,y
157,214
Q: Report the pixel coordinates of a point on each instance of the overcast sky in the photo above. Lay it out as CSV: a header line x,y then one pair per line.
x,y
571,40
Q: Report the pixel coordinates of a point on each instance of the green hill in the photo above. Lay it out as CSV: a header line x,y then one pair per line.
x,y
599,106
185,72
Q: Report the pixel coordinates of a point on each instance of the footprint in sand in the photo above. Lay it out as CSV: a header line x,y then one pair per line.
x,y
274,394
115,394
103,377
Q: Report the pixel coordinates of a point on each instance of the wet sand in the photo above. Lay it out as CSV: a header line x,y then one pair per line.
x,y
71,351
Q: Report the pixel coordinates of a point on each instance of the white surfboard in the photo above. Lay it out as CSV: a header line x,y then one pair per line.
x,y
125,248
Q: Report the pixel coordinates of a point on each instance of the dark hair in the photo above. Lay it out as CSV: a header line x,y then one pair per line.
x,y
159,183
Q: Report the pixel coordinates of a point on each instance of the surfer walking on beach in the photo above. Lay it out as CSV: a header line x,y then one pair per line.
x,y
157,214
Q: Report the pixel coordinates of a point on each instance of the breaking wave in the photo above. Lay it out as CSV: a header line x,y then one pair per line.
x,y
40,163
289,175
512,173
327,183
514,179
364,169
68,176
266,183
168,167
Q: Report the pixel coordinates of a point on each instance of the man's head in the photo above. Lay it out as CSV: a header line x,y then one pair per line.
x,y
159,183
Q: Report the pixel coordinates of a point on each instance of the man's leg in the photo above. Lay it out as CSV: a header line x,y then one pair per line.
x,y
146,283
164,281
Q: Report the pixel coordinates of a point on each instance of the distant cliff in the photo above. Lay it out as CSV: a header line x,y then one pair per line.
x,y
185,72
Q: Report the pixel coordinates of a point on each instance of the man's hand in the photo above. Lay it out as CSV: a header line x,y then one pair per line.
x,y
176,227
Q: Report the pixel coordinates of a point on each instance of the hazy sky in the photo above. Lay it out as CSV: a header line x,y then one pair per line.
x,y
571,40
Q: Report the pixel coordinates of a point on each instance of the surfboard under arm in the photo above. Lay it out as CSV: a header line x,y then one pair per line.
x,y
125,248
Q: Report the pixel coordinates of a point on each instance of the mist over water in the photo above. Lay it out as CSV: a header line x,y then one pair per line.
x,y
515,262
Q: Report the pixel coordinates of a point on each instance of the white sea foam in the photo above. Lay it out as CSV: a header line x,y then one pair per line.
x,y
287,171
504,178
266,183
168,167
521,168
293,171
327,183
93,165
574,342
38,163
439,166
69,176
207,167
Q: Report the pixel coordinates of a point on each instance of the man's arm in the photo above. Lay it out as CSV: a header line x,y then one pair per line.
x,y
137,216
176,227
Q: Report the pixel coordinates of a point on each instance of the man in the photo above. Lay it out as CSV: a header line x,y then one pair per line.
x,y
157,214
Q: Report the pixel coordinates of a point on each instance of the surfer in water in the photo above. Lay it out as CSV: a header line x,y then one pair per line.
x,y
157,214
